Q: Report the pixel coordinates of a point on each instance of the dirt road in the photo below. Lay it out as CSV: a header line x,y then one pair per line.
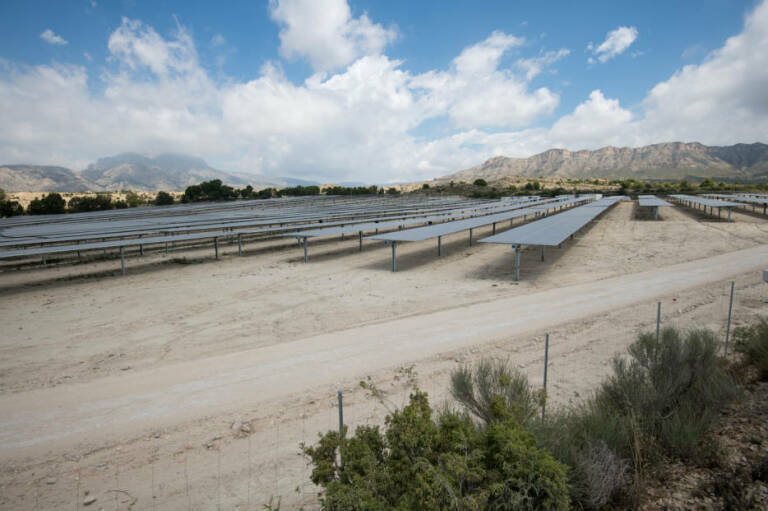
x,y
113,407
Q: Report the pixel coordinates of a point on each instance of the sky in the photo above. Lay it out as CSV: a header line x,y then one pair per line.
x,y
374,91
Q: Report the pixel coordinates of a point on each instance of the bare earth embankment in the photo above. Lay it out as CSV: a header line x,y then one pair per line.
x,y
134,383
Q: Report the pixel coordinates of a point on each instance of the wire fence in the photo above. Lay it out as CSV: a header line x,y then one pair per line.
x,y
256,464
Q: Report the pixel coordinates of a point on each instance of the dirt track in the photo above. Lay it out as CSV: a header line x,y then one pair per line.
x,y
266,341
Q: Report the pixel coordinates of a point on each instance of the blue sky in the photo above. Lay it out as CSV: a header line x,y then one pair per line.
x,y
377,91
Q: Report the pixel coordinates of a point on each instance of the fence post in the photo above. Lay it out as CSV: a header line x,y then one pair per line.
x,y
658,319
728,326
341,426
546,363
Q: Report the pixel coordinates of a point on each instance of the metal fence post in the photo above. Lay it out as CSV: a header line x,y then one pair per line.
x,y
728,326
658,319
341,426
546,363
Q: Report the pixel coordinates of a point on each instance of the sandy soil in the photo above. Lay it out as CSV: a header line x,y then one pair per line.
x,y
133,383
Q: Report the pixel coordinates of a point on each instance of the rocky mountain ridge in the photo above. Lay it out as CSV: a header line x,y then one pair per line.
x,y
672,160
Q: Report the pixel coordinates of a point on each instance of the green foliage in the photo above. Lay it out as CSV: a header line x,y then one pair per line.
x,y
299,191
663,399
9,208
480,182
163,199
212,190
133,199
435,463
425,186
477,387
82,204
532,185
393,191
246,193
707,183
347,190
50,204
752,343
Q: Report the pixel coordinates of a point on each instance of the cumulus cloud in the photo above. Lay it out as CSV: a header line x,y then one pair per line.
x,y
324,32
51,38
616,41
478,92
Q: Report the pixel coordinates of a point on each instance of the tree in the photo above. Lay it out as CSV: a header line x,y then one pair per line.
x,y
81,204
51,204
532,185
707,183
133,199
480,182
163,199
9,208
425,186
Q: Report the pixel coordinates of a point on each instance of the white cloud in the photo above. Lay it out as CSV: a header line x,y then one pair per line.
x,y
49,37
325,32
88,56
616,41
478,92
535,65
218,40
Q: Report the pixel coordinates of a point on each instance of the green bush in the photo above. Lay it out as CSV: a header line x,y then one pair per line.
x,y
752,343
163,199
9,208
663,399
480,182
448,462
476,387
82,204
50,204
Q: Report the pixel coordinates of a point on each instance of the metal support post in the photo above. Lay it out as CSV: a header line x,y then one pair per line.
x,y
240,245
122,259
728,325
494,228
546,364
216,246
360,235
439,242
306,255
542,254
141,247
470,237
517,262
166,248
729,214
658,320
394,253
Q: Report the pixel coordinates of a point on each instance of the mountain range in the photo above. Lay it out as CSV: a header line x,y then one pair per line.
x,y
130,171
671,161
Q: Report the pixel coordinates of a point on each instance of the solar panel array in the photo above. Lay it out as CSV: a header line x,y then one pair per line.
x,y
703,201
651,201
553,230
433,231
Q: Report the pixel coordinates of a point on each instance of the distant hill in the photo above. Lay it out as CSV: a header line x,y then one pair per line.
x,y
673,160
42,178
132,171
129,171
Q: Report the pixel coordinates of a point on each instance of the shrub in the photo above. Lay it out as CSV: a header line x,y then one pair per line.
x,y
480,182
664,398
90,203
476,387
51,204
163,199
9,208
752,343
433,464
